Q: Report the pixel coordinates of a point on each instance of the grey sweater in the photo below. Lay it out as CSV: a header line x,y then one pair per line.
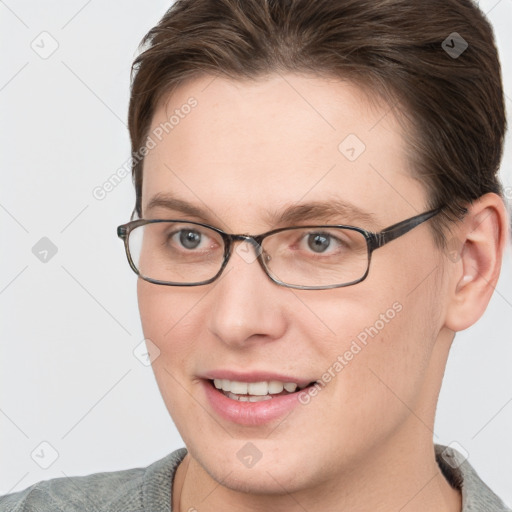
x,y
149,489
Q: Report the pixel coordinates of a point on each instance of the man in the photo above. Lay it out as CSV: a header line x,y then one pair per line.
x,y
318,212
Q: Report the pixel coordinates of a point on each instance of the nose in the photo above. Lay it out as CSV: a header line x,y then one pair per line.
x,y
246,305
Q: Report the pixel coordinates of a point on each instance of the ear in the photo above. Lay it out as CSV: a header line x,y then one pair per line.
x,y
475,253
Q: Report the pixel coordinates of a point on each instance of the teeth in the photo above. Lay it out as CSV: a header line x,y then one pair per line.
x,y
290,387
239,388
258,398
274,387
258,388
246,398
255,389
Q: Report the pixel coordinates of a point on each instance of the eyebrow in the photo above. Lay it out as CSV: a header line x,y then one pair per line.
x,y
331,210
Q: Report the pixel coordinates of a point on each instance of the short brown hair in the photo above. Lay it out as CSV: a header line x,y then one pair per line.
x,y
453,105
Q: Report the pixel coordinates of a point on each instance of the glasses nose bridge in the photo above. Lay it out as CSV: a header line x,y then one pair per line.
x,y
255,241
237,238
245,238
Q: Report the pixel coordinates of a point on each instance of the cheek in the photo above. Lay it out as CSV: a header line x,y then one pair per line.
x,y
384,380
154,311
377,349
167,316
168,320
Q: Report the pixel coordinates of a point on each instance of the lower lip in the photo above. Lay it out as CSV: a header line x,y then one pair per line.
x,y
249,413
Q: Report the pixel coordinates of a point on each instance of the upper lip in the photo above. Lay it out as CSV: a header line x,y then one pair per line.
x,y
255,376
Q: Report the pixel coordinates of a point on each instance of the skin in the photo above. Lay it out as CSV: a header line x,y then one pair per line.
x,y
365,442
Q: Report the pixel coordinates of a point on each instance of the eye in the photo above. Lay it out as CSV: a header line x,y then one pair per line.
x,y
311,242
189,238
319,242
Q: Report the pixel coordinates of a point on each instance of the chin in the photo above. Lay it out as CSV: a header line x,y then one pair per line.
x,y
261,482
276,473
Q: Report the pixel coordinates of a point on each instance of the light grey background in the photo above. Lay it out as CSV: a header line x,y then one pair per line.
x,y
69,326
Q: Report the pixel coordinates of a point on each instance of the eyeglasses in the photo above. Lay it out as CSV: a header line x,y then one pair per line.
x,y
319,257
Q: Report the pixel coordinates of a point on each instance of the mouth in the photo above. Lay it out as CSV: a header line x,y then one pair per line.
x,y
257,391
253,398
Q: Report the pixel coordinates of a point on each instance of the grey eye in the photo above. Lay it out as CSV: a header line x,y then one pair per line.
x,y
190,238
319,242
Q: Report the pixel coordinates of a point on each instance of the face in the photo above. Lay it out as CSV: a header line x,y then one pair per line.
x,y
244,153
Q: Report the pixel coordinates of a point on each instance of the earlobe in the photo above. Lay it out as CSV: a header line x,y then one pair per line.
x,y
481,236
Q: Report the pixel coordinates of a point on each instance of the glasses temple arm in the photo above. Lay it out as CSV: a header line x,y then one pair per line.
x,y
400,228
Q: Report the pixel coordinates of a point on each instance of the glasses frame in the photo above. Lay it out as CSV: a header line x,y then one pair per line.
x,y
373,242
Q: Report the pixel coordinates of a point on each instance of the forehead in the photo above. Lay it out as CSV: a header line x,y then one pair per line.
x,y
245,148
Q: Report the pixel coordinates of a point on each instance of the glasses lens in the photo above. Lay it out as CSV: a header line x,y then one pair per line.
x,y
176,252
316,256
